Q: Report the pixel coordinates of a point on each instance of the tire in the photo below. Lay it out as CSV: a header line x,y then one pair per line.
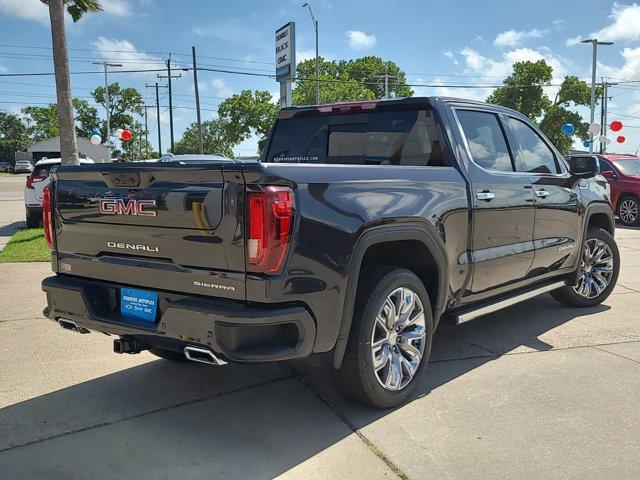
x,y
629,211
168,354
33,220
590,290
357,378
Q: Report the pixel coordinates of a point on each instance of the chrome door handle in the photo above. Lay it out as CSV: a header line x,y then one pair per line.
x,y
542,193
486,196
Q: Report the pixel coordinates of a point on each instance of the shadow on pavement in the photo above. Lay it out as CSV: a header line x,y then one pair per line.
x,y
170,420
11,228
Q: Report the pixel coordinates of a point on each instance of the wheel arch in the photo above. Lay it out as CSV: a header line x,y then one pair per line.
x,y
375,240
599,215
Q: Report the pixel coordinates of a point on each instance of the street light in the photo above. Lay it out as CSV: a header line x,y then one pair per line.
x,y
595,43
315,25
106,95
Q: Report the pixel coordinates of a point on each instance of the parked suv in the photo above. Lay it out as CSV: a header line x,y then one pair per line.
x,y
623,174
363,226
36,181
23,166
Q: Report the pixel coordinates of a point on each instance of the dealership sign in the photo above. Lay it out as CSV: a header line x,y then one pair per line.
x,y
286,52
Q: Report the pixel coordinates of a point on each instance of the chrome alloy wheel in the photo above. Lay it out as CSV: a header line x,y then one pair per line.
x,y
628,211
398,339
596,269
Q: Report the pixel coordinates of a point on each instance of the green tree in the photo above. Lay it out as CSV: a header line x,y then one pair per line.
x,y
215,139
137,147
43,121
75,8
524,91
245,114
14,136
123,104
349,80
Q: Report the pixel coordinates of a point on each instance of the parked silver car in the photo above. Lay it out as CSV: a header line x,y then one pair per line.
x,y
23,166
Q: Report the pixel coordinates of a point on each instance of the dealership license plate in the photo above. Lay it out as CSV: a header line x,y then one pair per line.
x,y
138,304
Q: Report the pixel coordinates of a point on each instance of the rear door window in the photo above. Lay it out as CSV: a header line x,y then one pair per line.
x,y
409,137
486,140
532,153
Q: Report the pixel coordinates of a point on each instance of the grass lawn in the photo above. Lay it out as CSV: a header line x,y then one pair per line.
x,y
5,174
26,246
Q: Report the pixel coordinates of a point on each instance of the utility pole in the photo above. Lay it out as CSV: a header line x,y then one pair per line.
x,y
605,105
106,96
195,87
169,77
156,86
146,130
595,43
315,26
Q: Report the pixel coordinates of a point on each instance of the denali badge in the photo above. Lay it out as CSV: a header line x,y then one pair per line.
x,y
214,285
119,206
132,246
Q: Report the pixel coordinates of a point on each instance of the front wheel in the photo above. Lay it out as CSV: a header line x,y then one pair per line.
x,y
390,340
598,271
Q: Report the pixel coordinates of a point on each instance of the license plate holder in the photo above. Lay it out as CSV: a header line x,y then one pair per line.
x,y
138,304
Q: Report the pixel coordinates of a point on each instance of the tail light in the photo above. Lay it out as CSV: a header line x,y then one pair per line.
x,y
47,215
270,215
347,107
31,179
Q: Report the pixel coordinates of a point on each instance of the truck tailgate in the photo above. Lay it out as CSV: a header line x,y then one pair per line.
x,y
174,227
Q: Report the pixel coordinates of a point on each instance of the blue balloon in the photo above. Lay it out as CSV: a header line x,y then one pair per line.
x,y
95,131
568,129
586,143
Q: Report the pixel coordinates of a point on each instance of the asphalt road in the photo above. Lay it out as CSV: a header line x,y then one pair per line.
x,y
11,206
535,391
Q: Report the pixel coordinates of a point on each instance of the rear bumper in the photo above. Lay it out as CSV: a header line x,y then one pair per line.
x,y
234,330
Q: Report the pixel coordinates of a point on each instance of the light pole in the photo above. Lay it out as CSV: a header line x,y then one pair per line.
x,y
595,43
315,25
106,95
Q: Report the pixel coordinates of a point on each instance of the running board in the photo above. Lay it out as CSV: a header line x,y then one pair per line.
x,y
507,302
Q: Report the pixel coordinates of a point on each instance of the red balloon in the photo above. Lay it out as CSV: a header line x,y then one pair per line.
x,y
127,135
616,126
620,139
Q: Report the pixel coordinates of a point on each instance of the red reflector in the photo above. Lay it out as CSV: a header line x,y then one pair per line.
x,y
31,179
47,216
270,212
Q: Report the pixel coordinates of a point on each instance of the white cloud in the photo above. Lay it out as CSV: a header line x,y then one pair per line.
x,y
559,24
625,24
512,38
125,52
302,55
449,54
359,40
221,87
25,9
630,70
573,41
119,8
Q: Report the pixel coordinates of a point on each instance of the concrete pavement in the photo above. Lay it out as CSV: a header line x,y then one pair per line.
x,y
11,206
534,391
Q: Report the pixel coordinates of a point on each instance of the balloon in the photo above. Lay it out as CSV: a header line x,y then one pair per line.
x,y
568,129
604,140
95,131
126,135
586,143
616,126
95,139
620,139
119,132
594,128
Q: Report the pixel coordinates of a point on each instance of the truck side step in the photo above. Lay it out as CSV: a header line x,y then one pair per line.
x,y
484,309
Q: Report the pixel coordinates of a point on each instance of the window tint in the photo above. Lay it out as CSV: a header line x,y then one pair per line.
x,y
42,170
604,165
533,155
409,137
486,140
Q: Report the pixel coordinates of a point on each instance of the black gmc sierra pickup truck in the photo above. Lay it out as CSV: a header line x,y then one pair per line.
x,y
361,228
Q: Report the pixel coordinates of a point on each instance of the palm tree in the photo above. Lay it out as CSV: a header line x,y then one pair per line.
x,y
75,8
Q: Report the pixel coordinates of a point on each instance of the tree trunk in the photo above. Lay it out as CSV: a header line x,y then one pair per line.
x,y
68,145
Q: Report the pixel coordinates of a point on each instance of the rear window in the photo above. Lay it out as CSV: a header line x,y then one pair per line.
x,y
42,170
409,137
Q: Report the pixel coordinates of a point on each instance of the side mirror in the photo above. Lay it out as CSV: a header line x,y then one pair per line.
x,y
583,166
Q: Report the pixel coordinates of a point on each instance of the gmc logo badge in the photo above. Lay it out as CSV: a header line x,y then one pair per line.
x,y
119,206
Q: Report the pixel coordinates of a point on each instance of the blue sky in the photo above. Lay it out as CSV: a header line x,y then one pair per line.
x,y
436,43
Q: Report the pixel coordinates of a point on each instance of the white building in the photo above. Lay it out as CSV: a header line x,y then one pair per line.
x,y
50,148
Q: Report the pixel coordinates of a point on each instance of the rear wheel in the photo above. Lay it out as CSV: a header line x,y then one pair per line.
x,y
629,211
168,354
598,272
390,340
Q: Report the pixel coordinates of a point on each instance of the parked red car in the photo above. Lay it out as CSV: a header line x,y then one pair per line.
x,y
623,174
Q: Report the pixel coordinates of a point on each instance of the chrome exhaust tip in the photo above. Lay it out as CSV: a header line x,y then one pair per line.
x,y
71,325
202,355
